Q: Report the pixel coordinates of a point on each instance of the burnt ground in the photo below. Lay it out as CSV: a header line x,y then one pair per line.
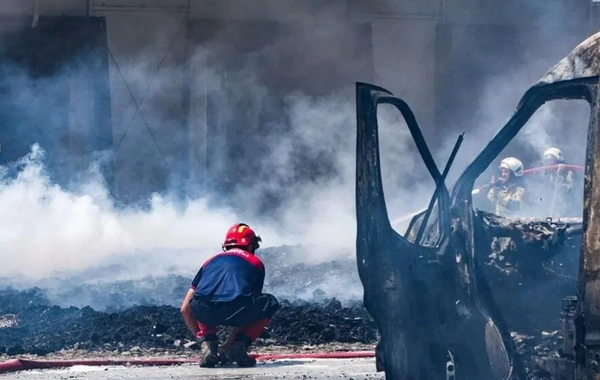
x,y
30,324
124,318
287,275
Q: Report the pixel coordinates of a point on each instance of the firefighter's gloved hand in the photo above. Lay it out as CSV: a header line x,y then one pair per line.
x,y
497,182
561,169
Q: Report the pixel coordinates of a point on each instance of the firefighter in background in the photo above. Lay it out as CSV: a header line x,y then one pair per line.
x,y
560,181
507,192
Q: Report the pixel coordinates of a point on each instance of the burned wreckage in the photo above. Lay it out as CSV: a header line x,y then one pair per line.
x,y
440,315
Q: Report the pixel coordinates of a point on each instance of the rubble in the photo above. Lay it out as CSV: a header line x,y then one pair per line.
x,y
534,349
288,276
44,328
47,330
31,324
9,320
525,263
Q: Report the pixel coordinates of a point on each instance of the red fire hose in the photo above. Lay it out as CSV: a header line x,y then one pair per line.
x,y
575,168
25,364
539,169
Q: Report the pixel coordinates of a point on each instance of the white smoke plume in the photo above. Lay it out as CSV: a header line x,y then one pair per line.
x,y
52,231
47,229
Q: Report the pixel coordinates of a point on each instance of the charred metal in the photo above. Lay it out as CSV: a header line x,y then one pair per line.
x,y
443,294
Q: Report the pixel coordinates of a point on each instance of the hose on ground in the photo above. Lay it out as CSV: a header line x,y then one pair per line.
x,y
15,365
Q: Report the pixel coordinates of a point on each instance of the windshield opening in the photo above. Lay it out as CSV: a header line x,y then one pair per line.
x,y
407,184
539,174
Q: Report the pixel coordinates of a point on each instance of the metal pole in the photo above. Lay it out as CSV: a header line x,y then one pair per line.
x,y
36,13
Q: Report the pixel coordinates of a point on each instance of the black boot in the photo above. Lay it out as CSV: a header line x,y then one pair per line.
x,y
209,351
238,352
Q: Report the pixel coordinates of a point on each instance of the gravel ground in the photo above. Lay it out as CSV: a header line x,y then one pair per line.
x,y
280,369
171,353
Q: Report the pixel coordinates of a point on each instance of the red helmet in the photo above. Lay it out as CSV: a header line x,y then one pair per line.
x,y
241,235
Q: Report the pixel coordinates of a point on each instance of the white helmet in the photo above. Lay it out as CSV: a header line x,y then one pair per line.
x,y
513,164
554,152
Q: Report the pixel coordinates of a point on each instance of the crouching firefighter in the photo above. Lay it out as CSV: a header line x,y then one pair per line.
x,y
227,291
507,192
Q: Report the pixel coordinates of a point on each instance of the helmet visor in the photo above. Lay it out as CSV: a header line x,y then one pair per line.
x,y
550,159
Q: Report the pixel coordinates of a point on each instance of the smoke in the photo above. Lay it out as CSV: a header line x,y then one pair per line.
x,y
492,68
290,169
273,145
489,70
558,123
49,230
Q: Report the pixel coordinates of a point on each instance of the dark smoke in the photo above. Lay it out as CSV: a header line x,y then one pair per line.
x,y
272,143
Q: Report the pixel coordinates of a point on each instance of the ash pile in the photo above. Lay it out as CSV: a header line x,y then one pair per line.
x,y
30,324
321,304
111,288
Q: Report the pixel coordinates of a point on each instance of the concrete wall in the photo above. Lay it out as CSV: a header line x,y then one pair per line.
x,y
399,35
147,79
404,36
147,36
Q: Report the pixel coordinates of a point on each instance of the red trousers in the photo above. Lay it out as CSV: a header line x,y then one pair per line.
x,y
252,331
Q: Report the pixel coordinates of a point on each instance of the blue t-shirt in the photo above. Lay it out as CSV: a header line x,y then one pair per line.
x,y
229,275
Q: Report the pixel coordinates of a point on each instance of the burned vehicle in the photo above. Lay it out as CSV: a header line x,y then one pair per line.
x,y
442,306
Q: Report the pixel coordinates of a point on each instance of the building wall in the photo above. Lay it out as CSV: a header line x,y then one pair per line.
x,y
404,36
148,41
148,87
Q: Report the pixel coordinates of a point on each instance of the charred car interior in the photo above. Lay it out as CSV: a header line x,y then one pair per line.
x,y
452,293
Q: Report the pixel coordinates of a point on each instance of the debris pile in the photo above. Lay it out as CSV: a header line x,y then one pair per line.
x,y
535,349
528,261
288,276
42,328
29,324
125,317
